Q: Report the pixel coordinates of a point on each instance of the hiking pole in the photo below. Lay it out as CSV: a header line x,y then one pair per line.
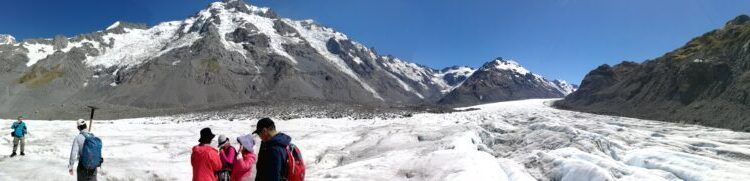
x,y
91,119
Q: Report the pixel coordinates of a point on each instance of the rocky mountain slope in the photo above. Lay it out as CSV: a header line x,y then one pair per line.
x,y
230,53
705,82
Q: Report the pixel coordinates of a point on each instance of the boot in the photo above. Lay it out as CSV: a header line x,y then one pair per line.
x,y
12,155
23,154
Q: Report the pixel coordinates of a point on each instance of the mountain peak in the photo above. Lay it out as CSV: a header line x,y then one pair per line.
x,y
739,20
114,25
504,64
119,26
242,6
235,3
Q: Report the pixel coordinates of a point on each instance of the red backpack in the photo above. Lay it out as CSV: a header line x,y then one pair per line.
x,y
294,165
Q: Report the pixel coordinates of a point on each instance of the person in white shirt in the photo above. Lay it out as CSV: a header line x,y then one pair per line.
x,y
75,152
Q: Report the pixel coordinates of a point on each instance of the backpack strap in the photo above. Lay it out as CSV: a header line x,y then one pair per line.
x,y
87,135
289,157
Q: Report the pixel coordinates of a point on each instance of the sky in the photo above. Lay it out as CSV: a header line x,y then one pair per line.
x,y
560,39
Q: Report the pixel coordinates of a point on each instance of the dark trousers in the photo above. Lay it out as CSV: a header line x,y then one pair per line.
x,y
86,174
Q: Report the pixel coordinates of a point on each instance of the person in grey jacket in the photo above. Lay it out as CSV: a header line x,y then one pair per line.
x,y
75,151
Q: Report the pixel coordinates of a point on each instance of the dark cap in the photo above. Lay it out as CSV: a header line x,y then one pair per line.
x,y
264,123
206,136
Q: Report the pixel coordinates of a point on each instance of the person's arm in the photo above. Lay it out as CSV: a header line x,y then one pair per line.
x,y
222,156
13,126
215,162
241,166
252,159
232,154
74,153
246,162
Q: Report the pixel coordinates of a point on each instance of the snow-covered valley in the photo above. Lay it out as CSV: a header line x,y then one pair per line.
x,y
518,140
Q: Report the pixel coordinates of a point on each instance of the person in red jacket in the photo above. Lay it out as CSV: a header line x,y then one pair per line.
x,y
242,166
205,158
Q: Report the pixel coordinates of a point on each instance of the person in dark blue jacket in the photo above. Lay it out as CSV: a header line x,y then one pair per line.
x,y
271,165
19,134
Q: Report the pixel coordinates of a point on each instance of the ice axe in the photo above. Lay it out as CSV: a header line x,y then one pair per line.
x,y
91,119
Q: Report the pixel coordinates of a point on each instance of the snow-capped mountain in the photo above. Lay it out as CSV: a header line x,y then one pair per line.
x,y
564,86
503,80
7,39
227,54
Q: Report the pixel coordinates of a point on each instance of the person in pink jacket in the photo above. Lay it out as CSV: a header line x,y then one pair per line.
x,y
205,158
242,166
227,153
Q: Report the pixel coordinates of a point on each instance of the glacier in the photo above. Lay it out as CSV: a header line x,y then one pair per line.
x,y
516,140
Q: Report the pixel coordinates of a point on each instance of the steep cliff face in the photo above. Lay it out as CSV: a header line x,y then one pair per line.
x,y
705,82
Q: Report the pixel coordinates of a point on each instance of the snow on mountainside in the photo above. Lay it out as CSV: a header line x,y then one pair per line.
x,y
229,53
131,46
516,141
7,39
135,46
564,86
119,45
454,76
502,64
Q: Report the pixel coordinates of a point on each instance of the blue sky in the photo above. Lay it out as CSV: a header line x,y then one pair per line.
x,y
557,38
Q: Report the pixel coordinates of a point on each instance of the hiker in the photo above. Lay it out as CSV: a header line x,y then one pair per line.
x,y
242,166
227,153
18,134
86,150
272,156
205,158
